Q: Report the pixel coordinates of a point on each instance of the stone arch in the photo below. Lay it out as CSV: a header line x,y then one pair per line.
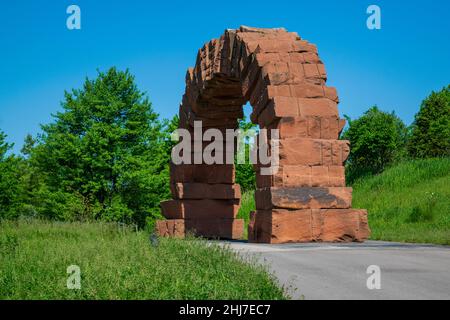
x,y
284,80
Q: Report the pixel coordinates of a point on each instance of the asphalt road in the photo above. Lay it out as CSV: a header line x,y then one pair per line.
x,y
339,271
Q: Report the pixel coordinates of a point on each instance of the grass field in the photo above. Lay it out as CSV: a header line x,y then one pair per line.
x,y
119,263
409,202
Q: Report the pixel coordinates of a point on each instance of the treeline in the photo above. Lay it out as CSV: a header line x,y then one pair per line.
x,y
106,154
379,139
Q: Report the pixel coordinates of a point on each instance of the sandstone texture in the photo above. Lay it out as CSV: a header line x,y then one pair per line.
x,y
308,225
284,79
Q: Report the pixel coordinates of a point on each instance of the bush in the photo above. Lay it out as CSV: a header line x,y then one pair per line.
x,y
377,139
430,134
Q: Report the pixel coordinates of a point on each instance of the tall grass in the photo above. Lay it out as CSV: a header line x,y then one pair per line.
x,y
247,205
120,263
409,202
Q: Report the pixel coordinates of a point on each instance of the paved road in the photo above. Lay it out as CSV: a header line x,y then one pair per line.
x,y
338,271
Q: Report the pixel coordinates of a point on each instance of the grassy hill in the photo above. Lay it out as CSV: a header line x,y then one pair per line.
x,y
409,202
120,263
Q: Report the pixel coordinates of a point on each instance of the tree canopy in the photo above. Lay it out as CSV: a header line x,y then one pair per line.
x,y
430,134
104,156
377,139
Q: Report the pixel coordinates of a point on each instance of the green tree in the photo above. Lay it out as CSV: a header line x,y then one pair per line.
x,y
10,177
377,139
4,146
430,132
28,145
105,155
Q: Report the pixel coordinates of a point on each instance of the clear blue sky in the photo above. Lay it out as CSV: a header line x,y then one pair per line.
x,y
395,67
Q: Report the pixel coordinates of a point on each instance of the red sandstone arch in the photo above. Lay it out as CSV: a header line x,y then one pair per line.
x,y
284,80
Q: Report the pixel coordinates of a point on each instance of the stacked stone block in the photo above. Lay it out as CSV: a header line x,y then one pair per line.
x,y
206,202
284,80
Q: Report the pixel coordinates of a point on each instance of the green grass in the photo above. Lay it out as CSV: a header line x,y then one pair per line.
x,y
247,205
120,263
409,202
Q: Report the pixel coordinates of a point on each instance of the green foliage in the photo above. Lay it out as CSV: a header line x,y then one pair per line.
x,y
28,145
408,202
4,146
247,205
377,139
430,134
10,176
105,156
245,174
116,262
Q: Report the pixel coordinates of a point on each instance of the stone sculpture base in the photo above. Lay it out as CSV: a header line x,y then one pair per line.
x,y
207,228
308,225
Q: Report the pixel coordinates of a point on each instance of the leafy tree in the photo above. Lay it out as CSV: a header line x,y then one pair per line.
x,y
377,139
10,174
105,155
430,133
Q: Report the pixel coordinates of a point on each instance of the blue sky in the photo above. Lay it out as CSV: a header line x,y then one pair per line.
x,y
395,67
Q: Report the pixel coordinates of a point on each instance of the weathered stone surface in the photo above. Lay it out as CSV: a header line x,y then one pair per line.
x,y
313,152
200,209
309,127
207,155
335,225
327,225
310,152
281,106
284,79
206,191
202,173
303,198
303,176
216,228
170,228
